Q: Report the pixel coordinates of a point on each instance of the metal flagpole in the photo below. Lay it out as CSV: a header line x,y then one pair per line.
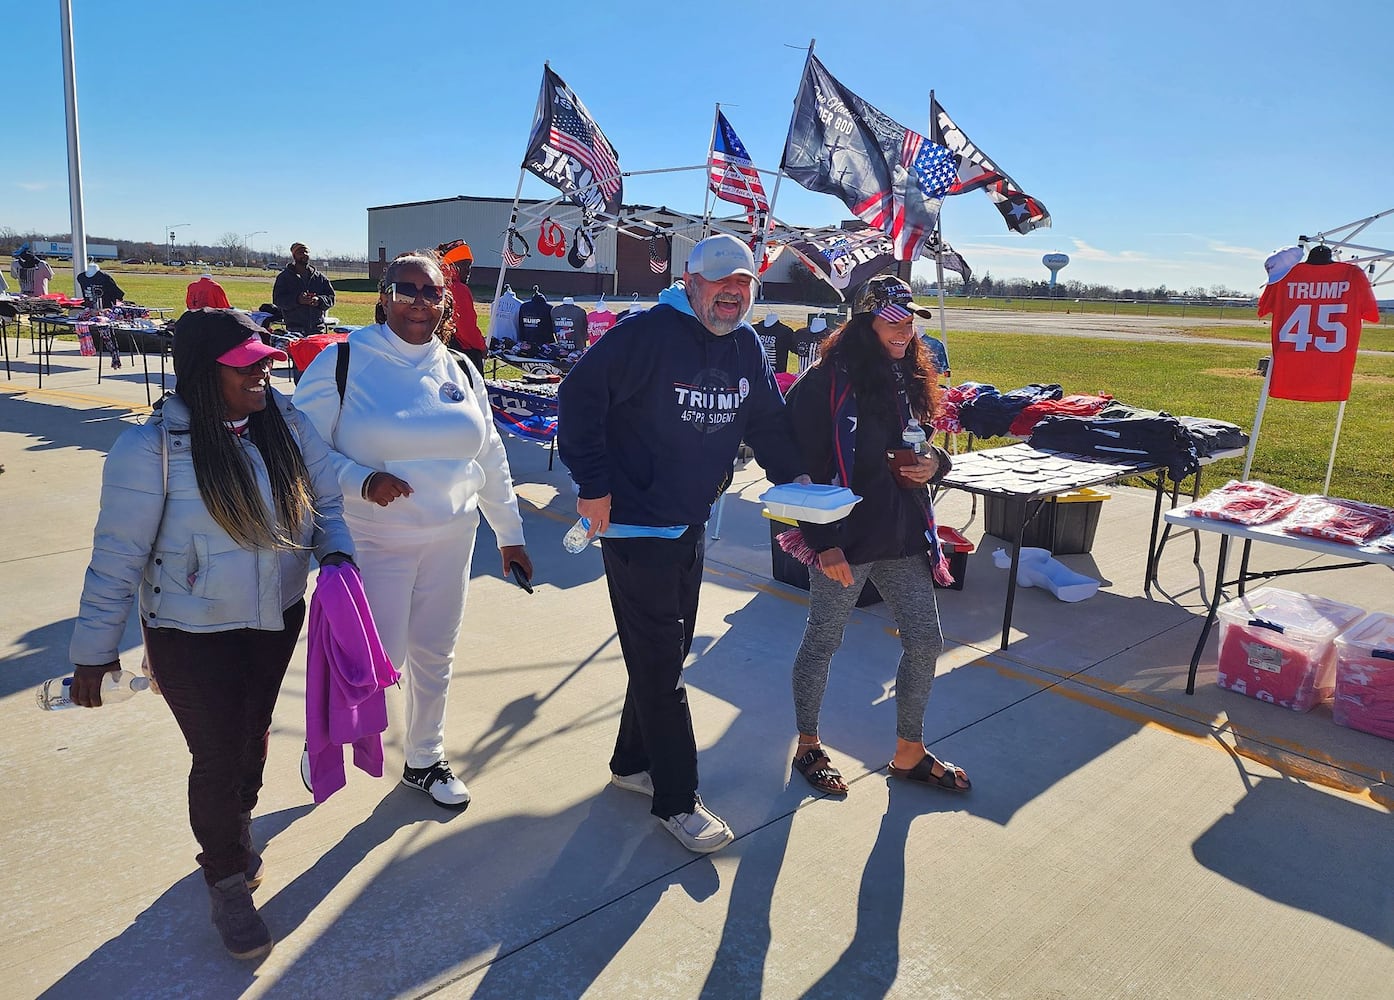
x,y
65,10
512,221
1258,421
707,206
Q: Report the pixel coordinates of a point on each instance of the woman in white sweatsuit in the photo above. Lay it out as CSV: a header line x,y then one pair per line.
x,y
417,456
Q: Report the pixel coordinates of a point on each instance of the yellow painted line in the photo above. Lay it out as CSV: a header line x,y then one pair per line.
x,y
77,397
1302,762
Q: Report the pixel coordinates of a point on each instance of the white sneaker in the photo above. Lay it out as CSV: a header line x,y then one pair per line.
x,y
440,783
700,831
637,782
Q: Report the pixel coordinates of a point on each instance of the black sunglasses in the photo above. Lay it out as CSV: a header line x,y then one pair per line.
x,y
256,367
406,291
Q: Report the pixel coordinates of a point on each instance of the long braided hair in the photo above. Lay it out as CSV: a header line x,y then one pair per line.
x,y
855,347
224,476
430,262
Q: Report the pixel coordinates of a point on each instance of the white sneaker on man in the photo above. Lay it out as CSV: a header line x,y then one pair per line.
x,y
700,831
639,782
440,783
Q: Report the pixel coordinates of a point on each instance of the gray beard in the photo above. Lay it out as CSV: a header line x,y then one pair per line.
x,y
717,327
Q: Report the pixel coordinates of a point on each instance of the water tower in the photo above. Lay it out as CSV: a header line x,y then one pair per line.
x,y
1054,261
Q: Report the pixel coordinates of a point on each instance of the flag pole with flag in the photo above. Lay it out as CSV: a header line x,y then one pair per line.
x,y
891,177
1021,212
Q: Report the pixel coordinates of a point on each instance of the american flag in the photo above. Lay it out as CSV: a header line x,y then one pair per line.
x,y
509,257
658,254
577,136
731,174
933,170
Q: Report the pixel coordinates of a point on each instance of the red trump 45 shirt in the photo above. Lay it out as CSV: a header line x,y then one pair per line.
x,y
1317,313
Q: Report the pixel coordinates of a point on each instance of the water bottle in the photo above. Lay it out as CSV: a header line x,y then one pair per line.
x,y
576,539
118,685
915,438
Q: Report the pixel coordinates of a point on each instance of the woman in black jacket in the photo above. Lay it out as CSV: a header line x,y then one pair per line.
x,y
849,411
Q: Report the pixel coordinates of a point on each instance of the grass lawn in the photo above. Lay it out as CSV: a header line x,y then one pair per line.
x,y
1109,307
1211,380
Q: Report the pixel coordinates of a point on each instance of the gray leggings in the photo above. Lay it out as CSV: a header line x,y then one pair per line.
x,y
907,586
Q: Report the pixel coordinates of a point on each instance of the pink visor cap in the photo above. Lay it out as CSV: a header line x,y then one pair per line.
x,y
249,352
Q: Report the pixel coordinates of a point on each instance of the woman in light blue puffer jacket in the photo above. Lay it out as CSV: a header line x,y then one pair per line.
x,y
210,511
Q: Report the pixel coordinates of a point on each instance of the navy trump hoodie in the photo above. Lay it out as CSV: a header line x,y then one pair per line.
x,y
654,412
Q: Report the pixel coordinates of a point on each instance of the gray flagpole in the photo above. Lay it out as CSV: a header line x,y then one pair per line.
x,y
65,11
779,174
707,206
512,221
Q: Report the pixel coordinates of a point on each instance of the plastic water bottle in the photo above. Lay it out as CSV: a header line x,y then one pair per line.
x,y
915,438
56,693
576,539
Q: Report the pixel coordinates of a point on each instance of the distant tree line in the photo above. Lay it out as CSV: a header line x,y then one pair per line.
x,y
989,287
232,248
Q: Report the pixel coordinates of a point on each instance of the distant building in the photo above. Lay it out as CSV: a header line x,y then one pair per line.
x,y
618,268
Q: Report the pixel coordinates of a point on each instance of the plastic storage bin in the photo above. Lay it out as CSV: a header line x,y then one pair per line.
x,y
1279,647
1364,696
786,569
956,548
1065,525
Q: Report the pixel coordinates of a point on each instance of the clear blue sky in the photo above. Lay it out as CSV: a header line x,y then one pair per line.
x,y
1174,144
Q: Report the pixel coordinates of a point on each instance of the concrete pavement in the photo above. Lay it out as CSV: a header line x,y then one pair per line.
x,y
1121,839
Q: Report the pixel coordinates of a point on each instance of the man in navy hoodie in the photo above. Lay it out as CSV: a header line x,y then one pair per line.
x,y
649,423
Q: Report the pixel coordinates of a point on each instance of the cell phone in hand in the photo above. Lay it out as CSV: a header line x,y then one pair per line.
x,y
520,575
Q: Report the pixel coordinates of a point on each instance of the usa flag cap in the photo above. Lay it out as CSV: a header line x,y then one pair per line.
x,y
888,297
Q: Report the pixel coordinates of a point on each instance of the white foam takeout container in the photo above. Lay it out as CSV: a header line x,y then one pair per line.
x,y
815,503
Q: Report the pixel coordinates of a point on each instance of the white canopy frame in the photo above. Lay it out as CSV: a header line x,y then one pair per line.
x,y
1339,240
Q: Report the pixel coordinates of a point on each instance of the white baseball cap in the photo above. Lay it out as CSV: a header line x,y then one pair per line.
x,y
721,256
1280,262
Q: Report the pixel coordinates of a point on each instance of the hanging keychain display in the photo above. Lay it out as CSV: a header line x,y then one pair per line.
x,y
511,256
551,239
658,253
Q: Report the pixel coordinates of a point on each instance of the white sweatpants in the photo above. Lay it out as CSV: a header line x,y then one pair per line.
x,y
416,590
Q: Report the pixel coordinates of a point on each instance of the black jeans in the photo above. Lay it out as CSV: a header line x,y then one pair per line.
x,y
654,583
222,688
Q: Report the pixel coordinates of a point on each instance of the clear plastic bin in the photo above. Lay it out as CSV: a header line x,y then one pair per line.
x,y
1279,646
1364,696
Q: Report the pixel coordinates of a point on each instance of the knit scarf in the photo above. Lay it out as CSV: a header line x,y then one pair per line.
x,y
843,404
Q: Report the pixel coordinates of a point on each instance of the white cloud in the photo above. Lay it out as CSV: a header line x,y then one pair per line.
x,y
1248,253
32,185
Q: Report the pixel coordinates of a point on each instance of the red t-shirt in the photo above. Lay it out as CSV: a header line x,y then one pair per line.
x,y
1317,311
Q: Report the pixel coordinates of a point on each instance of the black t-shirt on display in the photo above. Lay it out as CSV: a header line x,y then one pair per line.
x,y
535,324
777,340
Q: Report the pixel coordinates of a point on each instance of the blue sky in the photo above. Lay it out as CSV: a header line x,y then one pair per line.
x,y
1174,144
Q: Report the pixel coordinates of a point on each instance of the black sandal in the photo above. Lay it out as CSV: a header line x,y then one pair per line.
x,y
817,768
923,772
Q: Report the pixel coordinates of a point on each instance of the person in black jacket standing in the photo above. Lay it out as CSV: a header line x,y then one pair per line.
x,y
649,423
849,412
301,293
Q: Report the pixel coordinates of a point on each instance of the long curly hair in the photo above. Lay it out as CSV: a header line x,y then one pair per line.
x,y
856,349
224,476
430,262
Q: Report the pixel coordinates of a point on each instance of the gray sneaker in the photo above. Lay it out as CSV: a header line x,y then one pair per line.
x,y
639,782
700,831
244,933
